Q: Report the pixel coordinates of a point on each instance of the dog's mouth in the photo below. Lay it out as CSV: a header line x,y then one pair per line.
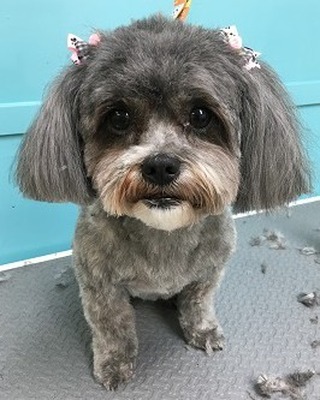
x,y
162,202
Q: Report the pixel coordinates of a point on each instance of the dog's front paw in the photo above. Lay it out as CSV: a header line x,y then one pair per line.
x,y
111,373
209,340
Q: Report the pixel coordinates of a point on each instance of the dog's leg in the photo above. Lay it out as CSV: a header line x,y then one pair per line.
x,y
197,317
111,318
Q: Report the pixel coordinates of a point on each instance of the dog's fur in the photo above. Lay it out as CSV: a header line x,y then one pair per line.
x,y
249,156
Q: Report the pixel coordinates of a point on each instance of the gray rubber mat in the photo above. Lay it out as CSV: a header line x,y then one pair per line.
x,y
45,343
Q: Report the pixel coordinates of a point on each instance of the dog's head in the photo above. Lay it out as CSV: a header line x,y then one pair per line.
x,y
162,122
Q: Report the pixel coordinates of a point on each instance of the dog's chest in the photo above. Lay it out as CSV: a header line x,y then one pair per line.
x,y
159,269
151,263
155,264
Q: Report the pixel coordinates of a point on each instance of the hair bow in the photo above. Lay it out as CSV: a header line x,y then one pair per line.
x,y
181,9
233,38
79,48
251,57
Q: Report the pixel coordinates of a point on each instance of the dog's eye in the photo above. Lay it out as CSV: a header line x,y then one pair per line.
x,y
119,119
200,117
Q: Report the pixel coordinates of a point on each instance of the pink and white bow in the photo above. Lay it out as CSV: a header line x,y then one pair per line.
x,y
79,48
233,38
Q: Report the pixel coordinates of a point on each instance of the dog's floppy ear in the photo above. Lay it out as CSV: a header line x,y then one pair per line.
x,y
274,167
50,165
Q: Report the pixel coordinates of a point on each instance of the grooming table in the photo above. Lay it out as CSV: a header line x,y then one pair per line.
x,y
45,342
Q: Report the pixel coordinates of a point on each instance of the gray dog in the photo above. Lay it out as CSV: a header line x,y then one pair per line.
x,y
156,134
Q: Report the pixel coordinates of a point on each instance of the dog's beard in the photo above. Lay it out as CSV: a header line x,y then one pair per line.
x,y
201,189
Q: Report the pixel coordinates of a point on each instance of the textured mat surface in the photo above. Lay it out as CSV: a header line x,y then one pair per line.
x,y
45,342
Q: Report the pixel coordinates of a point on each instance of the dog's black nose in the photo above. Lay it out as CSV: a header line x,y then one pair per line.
x,y
160,169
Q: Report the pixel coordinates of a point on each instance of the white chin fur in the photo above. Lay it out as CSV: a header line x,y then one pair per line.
x,y
165,219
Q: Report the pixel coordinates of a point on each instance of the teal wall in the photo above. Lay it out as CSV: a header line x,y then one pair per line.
x,y
32,42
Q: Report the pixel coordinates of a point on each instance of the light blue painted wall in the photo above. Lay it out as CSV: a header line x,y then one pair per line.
x,y
32,41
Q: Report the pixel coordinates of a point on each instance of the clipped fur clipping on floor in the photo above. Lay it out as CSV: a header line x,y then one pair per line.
x,y
4,276
257,240
275,239
289,386
264,268
314,320
308,251
63,278
309,299
315,344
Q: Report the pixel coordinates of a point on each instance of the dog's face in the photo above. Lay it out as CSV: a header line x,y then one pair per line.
x,y
160,141
163,123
